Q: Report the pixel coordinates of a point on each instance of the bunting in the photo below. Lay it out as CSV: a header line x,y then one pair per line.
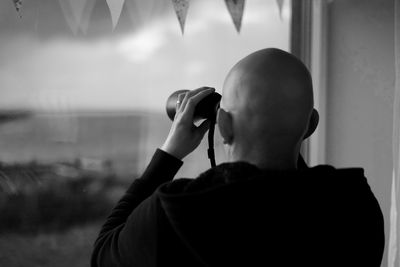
x,y
115,7
181,8
18,6
78,12
73,12
236,8
87,13
280,7
140,11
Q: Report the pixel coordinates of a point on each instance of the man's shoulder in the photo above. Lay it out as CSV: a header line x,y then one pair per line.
x,y
236,172
220,175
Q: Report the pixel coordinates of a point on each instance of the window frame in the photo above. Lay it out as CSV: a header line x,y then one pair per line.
x,y
308,41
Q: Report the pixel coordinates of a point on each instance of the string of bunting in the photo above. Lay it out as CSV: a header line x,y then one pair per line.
x,y
74,14
236,8
77,12
18,6
280,7
115,7
181,8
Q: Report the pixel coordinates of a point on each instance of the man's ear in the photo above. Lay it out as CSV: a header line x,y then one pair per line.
x,y
225,125
314,119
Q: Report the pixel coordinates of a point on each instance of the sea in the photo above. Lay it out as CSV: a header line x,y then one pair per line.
x,y
125,139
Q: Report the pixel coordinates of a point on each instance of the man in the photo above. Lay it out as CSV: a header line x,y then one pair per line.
x,y
264,207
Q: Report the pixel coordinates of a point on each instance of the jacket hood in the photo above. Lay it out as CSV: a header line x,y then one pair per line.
x,y
227,210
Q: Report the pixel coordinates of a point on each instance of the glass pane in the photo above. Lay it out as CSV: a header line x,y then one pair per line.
x,y
81,114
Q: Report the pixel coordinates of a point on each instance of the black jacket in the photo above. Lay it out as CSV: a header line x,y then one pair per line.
x,y
238,215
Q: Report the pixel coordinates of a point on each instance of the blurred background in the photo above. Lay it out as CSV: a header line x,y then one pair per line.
x,y
82,108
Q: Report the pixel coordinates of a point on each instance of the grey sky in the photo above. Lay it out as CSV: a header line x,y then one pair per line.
x,y
43,66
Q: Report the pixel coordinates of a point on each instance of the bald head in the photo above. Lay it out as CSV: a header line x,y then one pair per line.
x,y
266,107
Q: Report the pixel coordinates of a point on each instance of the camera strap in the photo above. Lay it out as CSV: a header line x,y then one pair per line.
x,y
210,151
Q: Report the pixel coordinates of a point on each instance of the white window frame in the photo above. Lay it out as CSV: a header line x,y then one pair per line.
x,y
317,142
309,43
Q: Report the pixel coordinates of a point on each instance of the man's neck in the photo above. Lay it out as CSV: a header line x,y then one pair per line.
x,y
269,162
278,165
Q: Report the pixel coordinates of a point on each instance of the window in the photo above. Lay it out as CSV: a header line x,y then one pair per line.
x,y
81,115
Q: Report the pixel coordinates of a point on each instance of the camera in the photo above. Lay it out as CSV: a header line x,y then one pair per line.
x,y
206,109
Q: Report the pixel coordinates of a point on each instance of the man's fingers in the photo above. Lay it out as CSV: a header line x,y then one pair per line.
x,y
190,94
195,99
198,90
184,101
202,94
180,100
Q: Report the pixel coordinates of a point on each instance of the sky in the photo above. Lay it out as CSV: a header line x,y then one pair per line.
x,y
45,67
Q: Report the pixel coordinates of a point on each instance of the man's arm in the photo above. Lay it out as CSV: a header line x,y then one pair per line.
x,y
135,216
162,168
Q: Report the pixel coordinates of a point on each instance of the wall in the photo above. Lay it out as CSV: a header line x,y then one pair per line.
x,y
360,86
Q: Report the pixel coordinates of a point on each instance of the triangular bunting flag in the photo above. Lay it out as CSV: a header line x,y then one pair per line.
x,y
86,15
77,7
67,11
73,12
181,8
115,7
18,5
280,7
236,8
140,11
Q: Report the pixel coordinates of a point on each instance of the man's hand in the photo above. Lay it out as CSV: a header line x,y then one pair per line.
x,y
184,136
